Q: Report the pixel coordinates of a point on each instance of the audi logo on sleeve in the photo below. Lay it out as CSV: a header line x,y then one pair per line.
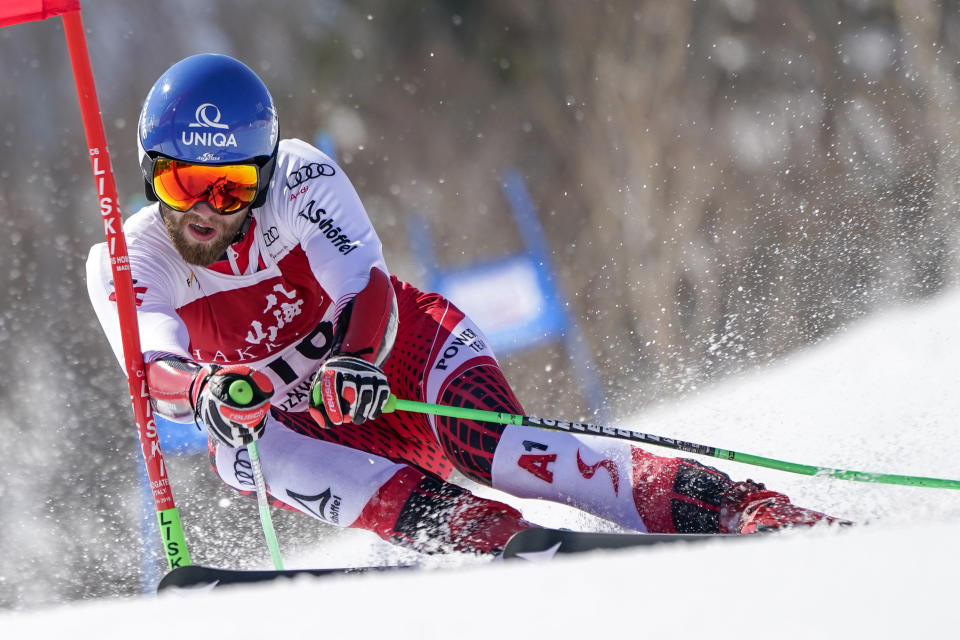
x,y
309,172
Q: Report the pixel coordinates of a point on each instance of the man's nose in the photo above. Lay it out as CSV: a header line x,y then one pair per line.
x,y
204,210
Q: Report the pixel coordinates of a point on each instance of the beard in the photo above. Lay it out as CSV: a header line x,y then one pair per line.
x,y
195,252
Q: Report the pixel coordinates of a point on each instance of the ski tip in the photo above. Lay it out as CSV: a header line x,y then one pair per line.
x,y
193,578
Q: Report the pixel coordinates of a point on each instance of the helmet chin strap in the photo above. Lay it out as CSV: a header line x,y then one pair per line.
x,y
247,221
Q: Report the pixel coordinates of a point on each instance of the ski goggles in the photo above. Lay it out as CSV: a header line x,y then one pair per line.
x,y
227,188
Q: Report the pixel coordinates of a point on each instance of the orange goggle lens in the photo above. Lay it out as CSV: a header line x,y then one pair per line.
x,y
226,188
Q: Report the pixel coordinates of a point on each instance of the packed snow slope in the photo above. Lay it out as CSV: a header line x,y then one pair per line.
x,y
879,397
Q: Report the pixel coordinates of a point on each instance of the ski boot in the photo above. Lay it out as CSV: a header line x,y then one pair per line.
x,y
749,507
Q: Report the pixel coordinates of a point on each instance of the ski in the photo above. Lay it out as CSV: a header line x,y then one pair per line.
x,y
529,544
203,578
543,544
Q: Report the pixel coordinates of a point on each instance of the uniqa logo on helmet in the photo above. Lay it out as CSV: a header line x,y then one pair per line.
x,y
207,116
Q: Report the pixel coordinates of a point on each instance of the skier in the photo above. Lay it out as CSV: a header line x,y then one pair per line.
x,y
257,262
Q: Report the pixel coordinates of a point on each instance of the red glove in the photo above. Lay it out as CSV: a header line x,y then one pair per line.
x,y
233,402
348,389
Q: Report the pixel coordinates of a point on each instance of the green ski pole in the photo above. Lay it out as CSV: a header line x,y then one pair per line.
x,y
263,506
242,394
396,404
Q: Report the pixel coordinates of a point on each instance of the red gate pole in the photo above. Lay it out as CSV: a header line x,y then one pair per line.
x,y
171,530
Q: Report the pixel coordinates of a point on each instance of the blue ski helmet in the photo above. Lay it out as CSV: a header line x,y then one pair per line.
x,y
209,109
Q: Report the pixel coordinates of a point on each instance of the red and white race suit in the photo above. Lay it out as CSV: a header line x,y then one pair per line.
x,y
274,303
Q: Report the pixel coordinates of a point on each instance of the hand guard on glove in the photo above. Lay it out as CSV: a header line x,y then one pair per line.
x,y
348,389
232,401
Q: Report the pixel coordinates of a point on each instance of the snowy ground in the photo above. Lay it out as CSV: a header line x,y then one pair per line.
x,y
880,397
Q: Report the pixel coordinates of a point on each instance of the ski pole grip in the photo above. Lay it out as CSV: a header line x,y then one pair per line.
x,y
240,392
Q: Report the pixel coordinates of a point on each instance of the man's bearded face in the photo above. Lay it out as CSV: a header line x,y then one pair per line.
x,y
201,235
